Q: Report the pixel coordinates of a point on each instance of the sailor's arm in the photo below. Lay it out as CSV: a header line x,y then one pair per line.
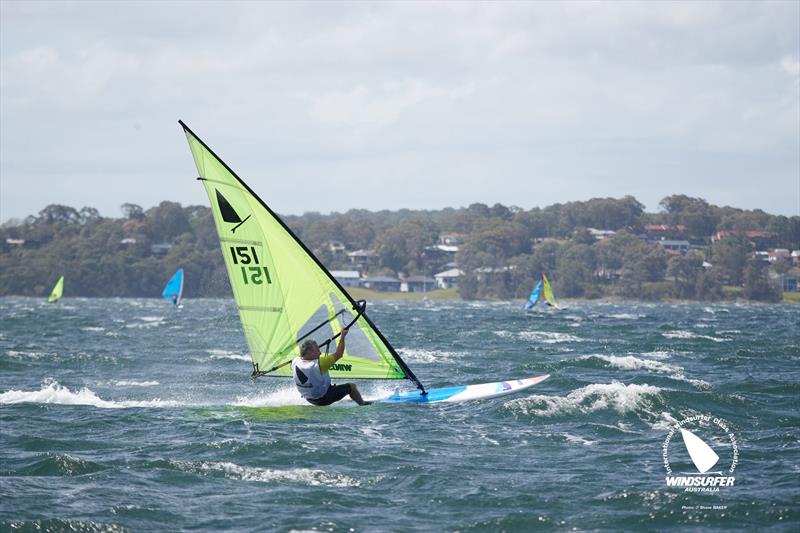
x,y
340,347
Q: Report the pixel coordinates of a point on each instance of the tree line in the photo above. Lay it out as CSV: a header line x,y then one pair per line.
x,y
501,249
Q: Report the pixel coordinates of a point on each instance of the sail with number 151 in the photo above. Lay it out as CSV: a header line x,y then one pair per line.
x,y
283,292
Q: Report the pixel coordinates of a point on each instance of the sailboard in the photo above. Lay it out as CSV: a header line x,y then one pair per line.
x,y
173,291
57,292
464,393
544,290
283,293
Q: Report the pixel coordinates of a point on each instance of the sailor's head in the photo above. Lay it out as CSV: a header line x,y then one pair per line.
x,y
309,350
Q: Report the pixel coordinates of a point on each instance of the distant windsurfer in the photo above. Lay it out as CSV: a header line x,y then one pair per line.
x,y
310,371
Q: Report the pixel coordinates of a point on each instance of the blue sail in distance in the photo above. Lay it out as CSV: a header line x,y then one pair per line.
x,y
534,295
174,289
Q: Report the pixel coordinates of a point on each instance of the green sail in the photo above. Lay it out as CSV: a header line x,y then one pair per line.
x,y
58,291
549,297
282,291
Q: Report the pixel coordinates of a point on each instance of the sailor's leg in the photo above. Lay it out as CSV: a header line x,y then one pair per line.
x,y
355,395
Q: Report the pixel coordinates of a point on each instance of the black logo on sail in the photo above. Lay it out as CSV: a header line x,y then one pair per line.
x,y
228,213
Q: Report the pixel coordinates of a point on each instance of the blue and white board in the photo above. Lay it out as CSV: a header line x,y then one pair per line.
x,y
465,392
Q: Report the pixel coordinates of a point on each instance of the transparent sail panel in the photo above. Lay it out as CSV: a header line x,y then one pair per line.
x,y
318,328
357,344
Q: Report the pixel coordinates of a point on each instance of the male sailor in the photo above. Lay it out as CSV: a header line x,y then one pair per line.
x,y
312,379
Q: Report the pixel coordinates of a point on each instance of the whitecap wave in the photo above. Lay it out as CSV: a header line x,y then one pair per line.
x,y
20,354
304,476
548,337
219,444
680,334
575,439
665,422
545,337
223,354
630,362
595,397
378,390
658,354
418,355
54,393
147,322
285,395
131,383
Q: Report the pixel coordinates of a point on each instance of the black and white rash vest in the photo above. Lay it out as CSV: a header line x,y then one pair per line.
x,y
308,378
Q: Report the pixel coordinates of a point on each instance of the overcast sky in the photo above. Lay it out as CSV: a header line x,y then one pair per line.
x,y
330,106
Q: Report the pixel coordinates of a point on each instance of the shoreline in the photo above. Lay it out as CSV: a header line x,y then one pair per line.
x,y
451,295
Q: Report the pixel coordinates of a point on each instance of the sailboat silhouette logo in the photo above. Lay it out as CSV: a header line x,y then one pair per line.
x,y
703,457
228,213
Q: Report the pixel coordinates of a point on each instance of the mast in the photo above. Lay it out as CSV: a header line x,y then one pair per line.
x,y
180,291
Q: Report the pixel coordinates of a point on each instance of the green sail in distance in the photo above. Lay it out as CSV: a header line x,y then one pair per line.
x,y
58,291
282,291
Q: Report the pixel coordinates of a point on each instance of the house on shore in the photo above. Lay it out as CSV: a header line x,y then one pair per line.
x,y
760,239
382,283
448,278
347,278
601,234
160,248
362,259
674,246
451,238
656,232
417,284
779,253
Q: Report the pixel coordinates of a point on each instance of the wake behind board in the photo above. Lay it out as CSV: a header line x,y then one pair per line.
x,y
464,393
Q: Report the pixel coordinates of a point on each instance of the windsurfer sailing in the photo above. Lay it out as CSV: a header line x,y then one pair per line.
x,y
310,371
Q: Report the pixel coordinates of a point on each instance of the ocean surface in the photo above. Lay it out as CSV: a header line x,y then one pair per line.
x,y
127,414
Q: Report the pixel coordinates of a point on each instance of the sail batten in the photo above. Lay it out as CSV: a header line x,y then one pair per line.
x,y
281,288
240,241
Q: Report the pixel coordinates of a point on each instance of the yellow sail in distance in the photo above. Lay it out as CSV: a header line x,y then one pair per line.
x,y
58,291
283,293
549,297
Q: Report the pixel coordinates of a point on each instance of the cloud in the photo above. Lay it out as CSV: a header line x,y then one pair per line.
x,y
486,99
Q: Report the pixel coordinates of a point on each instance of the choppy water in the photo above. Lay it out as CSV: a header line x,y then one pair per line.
x,y
127,414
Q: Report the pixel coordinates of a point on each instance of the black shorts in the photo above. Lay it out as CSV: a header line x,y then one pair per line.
x,y
334,394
